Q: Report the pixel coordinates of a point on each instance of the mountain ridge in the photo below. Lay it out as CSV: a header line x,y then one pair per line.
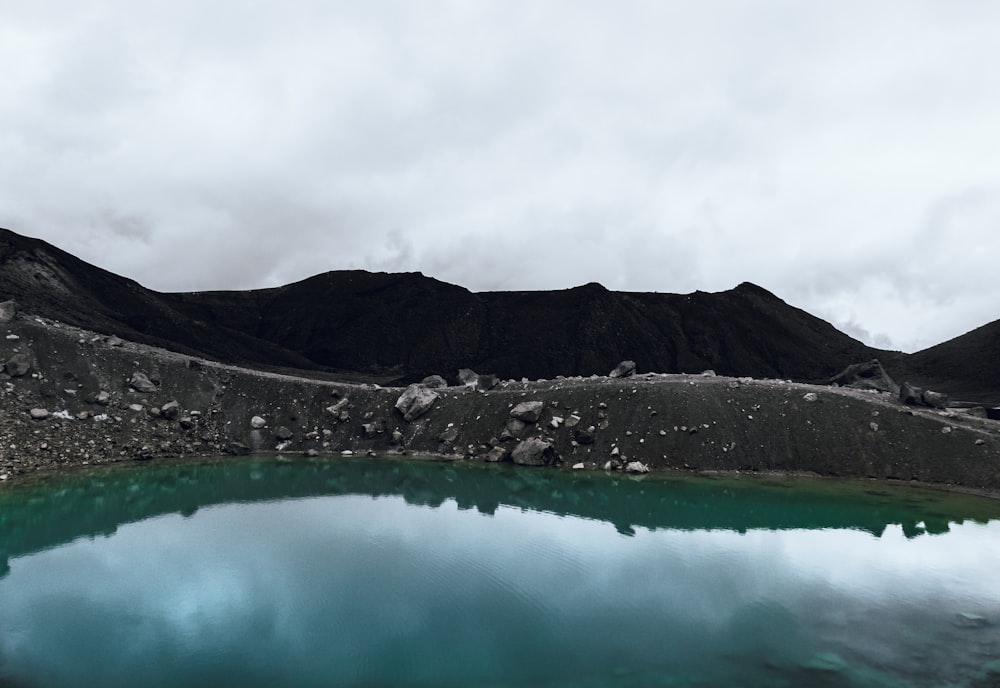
x,y
399,327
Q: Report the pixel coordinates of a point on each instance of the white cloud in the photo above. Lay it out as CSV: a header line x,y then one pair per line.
x,y
845,157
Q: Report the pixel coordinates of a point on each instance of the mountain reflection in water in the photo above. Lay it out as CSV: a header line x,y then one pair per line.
x,y
364,572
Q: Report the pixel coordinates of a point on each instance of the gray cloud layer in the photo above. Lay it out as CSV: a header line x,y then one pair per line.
x,y
844,155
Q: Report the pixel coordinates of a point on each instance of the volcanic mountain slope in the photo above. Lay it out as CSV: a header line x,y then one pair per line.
x,y
400,327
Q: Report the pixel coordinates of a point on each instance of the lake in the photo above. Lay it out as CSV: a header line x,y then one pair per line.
x,y
376,572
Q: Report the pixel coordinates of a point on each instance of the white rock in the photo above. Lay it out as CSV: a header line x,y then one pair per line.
x,y
257,422
636,467
810,396
578,466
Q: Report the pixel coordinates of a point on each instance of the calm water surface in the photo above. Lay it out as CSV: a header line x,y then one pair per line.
x,y
377,573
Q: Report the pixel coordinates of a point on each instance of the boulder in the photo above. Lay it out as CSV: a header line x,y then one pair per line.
x,y
623,369
867,375
39,413
434,382
485,383
448,435
141,383
584,435
18,365
910,394
534,451
636,467
528,411
170,410
103,398
497,454
282,433
810,397
257,422
415,401
934,399
468,377
8,310
514,427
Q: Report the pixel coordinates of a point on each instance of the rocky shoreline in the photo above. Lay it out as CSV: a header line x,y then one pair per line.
x,y
70,397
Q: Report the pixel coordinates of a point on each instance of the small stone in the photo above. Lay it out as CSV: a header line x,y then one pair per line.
x,y
810,397
115,340
170,410
636,467
140,382
527,411
18,365
103,398
946,429
8,311
980,442
708,373
257,423
282,433
873,426
336,409
497,454
555,422
578,466
434,382
623,369
39,413
397,437
135,407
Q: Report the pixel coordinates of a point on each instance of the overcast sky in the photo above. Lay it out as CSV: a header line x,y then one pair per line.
x,y
844,155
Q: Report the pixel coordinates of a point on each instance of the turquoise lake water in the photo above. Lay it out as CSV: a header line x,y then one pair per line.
x,y
373,572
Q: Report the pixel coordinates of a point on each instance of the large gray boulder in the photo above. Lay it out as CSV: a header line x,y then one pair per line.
x,y
415,401
934,399
485,383
867,375
534,451
528,411
623,369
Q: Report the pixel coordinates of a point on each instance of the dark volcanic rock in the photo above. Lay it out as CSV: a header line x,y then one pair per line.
x,y
867,375
908,394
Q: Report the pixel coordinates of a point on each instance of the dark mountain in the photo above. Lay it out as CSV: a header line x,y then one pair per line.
x,y
966,367
403,326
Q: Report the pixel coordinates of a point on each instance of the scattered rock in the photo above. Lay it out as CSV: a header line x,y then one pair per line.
x,y
556,422
980,442
434,382
282,433
370,430
527,411
102,398
578,466
810,397
910,394
934,399
141,383
497,454
18,365
487,382
514,427
708,373
867,375
946,429
39,413
415,402
623,369
8,310
468,377
873,426
170,410
584,435
448,435
636,467
257,423
534,451
115,340
397,438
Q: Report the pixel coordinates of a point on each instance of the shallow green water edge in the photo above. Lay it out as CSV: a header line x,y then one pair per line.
x,y
57,508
